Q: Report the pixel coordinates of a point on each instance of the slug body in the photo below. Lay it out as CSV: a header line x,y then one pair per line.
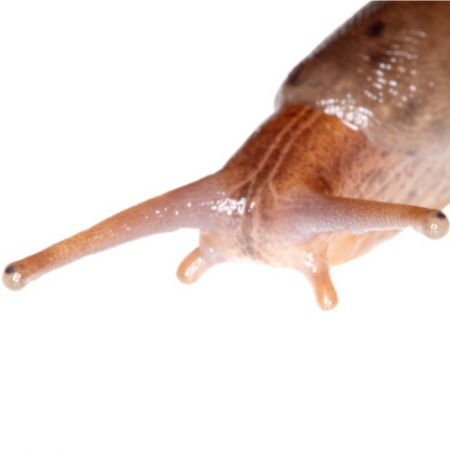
x,y
357,150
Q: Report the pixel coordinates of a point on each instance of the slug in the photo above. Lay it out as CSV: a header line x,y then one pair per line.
x,y
357,150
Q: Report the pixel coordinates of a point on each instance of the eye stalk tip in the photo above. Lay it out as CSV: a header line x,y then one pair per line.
x,y
12,278
435,225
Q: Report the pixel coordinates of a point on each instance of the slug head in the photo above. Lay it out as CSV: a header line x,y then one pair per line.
x,y
286,202
292,196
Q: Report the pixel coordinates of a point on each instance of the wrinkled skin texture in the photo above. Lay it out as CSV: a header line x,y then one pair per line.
x,y
357,150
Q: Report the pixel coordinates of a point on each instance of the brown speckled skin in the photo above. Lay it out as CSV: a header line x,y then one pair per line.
x,y
399,74
357,150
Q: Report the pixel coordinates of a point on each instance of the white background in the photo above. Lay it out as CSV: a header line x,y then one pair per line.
x,y
106,104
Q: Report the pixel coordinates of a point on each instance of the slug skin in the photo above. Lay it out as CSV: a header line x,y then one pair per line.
x,y
357,150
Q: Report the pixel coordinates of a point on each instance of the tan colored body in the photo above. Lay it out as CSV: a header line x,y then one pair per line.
x,y
386,72
358,150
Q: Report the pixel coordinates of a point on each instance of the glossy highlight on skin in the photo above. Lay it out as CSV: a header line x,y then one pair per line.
x,y
357,150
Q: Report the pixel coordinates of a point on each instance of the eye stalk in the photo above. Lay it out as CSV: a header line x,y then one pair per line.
x,y
317,214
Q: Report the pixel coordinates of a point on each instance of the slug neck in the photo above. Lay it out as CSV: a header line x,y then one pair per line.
x,y
297,149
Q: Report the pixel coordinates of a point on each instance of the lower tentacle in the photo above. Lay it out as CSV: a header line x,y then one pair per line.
x,y
317,271
192,267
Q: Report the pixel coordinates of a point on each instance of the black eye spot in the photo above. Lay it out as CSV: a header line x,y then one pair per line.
x,y
440,215
10,269
375,29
